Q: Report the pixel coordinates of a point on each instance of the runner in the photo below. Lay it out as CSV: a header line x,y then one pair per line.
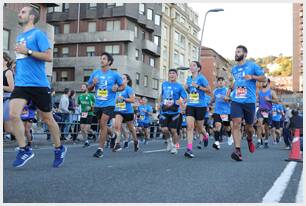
x,y
144,112
245,74
171,92
124,113
222,112
87,102
196,85
266,97
105,82
31,83
276,121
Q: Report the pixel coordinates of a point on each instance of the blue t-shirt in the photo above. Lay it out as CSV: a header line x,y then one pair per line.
x,y
221,106
121,105
171,92
276,112
31,72
245,90
196,97
143,112
105,97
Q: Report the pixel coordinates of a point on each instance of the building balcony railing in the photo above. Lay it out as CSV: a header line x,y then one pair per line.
x,y
151,47
86,37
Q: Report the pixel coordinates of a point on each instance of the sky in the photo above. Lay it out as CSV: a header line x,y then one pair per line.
x,y
264,28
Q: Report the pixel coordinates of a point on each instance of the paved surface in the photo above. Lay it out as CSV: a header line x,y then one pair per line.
x,y
149,176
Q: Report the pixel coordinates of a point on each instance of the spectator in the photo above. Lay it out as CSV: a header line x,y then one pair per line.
x,y
296,122
63,108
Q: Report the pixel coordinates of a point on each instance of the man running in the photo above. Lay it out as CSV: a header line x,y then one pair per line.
x,y
106,83
31,84
144,112
266,97
196,86
222,112
245,74
87,102
276,122
169,119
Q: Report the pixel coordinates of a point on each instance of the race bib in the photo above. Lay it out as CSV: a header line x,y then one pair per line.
x,y
142,117
265,114
194,98
168,102
102,94
241,92
84,114
224,117
25,113
121,106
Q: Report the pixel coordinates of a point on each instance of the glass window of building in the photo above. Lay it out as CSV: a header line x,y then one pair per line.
x,y
92,26
167,11
137,78
182,41
156,40
55,52
112,49
92,5
136,31
6,39
182,60
165,32
87,72
152,62
155,84
176,58
149,14
66,7
56,29
137,54
176,37
141,9
145,82
90,51
157,19
165,53
143,35
177,16
66,28
65,52
113,25
58,8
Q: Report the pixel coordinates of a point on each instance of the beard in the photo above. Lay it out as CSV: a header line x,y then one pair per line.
x,y
238,58
22,22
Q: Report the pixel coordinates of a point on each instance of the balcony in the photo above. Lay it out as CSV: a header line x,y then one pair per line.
x,y
151,47
88,37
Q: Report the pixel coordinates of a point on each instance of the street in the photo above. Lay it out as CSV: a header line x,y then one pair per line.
x,y
153,176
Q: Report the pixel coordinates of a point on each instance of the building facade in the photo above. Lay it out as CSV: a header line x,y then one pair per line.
x,y
179,42
131,32
11,28
213,66
298,50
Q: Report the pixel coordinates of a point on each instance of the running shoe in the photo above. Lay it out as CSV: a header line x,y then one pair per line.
x,y
117,148
216,145
199,146
177,145
205,140
266,145
230,140
23,156
251,145
107,143
126,145
236,156
169,145
86,144
258,145
189,154
173,150
59,156
136,146
98,153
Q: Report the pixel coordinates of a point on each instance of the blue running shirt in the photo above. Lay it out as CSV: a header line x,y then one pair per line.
x,y
121,105
221,106
196,97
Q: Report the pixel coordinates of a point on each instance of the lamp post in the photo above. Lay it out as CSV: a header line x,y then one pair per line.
x,y
211,10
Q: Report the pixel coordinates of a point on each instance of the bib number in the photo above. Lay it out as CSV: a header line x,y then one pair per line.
x,y
194,98
84,114
265,114
102,94
142,117
224,117
168,102
241,92
121,106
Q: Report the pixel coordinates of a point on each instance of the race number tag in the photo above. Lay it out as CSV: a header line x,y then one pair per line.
x,y
265,114
224,117
194,97
102,94
121,106
241,92
168,102
84,114
142,117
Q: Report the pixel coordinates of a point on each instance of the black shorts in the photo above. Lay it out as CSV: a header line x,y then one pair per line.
x,y
87,120
40,96
169,120
109,111
276,124
197,112
217,118
243,110
266,120
127,117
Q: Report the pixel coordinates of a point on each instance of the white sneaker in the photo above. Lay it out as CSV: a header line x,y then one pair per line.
x,y
169,144
173,150
230,140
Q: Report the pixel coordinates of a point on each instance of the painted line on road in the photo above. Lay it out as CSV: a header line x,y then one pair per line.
x,y
276,192
300,195
160,150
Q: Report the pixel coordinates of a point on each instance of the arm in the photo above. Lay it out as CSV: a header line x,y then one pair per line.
x,y
10,81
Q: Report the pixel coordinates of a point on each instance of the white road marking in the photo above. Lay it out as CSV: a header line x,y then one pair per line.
x,y
300,195
276,192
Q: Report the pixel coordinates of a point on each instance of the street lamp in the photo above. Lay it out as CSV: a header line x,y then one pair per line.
x,y
211,10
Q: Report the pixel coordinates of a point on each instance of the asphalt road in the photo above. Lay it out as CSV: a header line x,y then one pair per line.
x,y
152,175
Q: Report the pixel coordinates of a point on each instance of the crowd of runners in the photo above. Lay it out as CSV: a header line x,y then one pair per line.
x,y
237,107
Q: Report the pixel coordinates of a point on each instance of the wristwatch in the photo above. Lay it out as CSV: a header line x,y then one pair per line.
x,y
29,52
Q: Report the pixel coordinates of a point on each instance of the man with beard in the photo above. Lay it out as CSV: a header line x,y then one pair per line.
x,y
31,84
245,75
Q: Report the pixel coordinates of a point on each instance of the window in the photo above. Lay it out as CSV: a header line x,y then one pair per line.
x,y
176,37
137,78
112,49
195,33
136,31
157,19
156,40
167,11
165,73
112,25
65,51
112,5
141,9
87,73
92,26
177,16
143,57
92,6
55,52
65,7
56,29
66,28
152,62
143,35
145,82
183,20
6,39
194,52
137,54
90,51
182,41
149,14
58,8
176,58
165,32
64,74
181,60
165,53
155,84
